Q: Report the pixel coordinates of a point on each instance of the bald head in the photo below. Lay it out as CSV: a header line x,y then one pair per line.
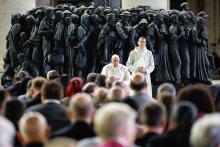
x,y
138,78
115,60
115,56
113,120
110,80
122,85
116,94
81,107
100,96
33,127
138,82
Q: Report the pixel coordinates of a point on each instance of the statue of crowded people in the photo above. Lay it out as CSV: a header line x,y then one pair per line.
x,y
123,30
80,40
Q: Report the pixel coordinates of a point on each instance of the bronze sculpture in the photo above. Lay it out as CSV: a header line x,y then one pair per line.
x,y
80,40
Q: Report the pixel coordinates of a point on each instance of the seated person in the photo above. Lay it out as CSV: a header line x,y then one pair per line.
x,y
116,69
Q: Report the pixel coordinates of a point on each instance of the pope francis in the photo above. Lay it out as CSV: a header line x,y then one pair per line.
x,y
116,69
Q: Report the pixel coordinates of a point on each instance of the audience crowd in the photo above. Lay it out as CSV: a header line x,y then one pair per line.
x,y
104,111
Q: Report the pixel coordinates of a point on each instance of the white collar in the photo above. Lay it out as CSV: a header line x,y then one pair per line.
x,y
115,67
140,49
51,101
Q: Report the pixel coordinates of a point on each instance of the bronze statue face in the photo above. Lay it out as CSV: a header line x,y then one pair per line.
x,y
49,12
158,19
143,24
200,22
30,20
183,17
75,18
15,18
111,19
125,19
68,20
174,19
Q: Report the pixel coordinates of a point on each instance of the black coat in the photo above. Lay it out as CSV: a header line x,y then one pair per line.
x,y
143,141
173,138
34,145
35,101
79,130
55,114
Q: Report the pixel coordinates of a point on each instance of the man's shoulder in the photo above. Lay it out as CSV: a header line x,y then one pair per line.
x,y
63,131
151,24
144,96
35,108
148,51
133,51
46,106
123,66
107,66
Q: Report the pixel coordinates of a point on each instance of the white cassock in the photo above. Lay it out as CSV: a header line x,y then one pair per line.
x,y
120,71
141,58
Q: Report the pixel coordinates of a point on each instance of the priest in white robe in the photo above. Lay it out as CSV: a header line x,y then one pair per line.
x,y
141,60
116,69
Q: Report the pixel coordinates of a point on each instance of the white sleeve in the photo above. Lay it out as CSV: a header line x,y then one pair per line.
x,y
130,63
151,66
104,71
127,75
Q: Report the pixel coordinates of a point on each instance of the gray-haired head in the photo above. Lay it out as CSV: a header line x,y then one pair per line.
x,y
206,131
168,88
113,119
116,94
81,107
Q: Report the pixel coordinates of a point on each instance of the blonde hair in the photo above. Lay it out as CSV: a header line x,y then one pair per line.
x,y
111,117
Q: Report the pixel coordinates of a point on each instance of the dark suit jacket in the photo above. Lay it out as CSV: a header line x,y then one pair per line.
x,y
131,102
142,100
35,101
173,138
34,145
55,114
145,139
79,130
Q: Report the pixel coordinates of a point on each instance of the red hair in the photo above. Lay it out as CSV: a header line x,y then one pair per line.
x,y
74,86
